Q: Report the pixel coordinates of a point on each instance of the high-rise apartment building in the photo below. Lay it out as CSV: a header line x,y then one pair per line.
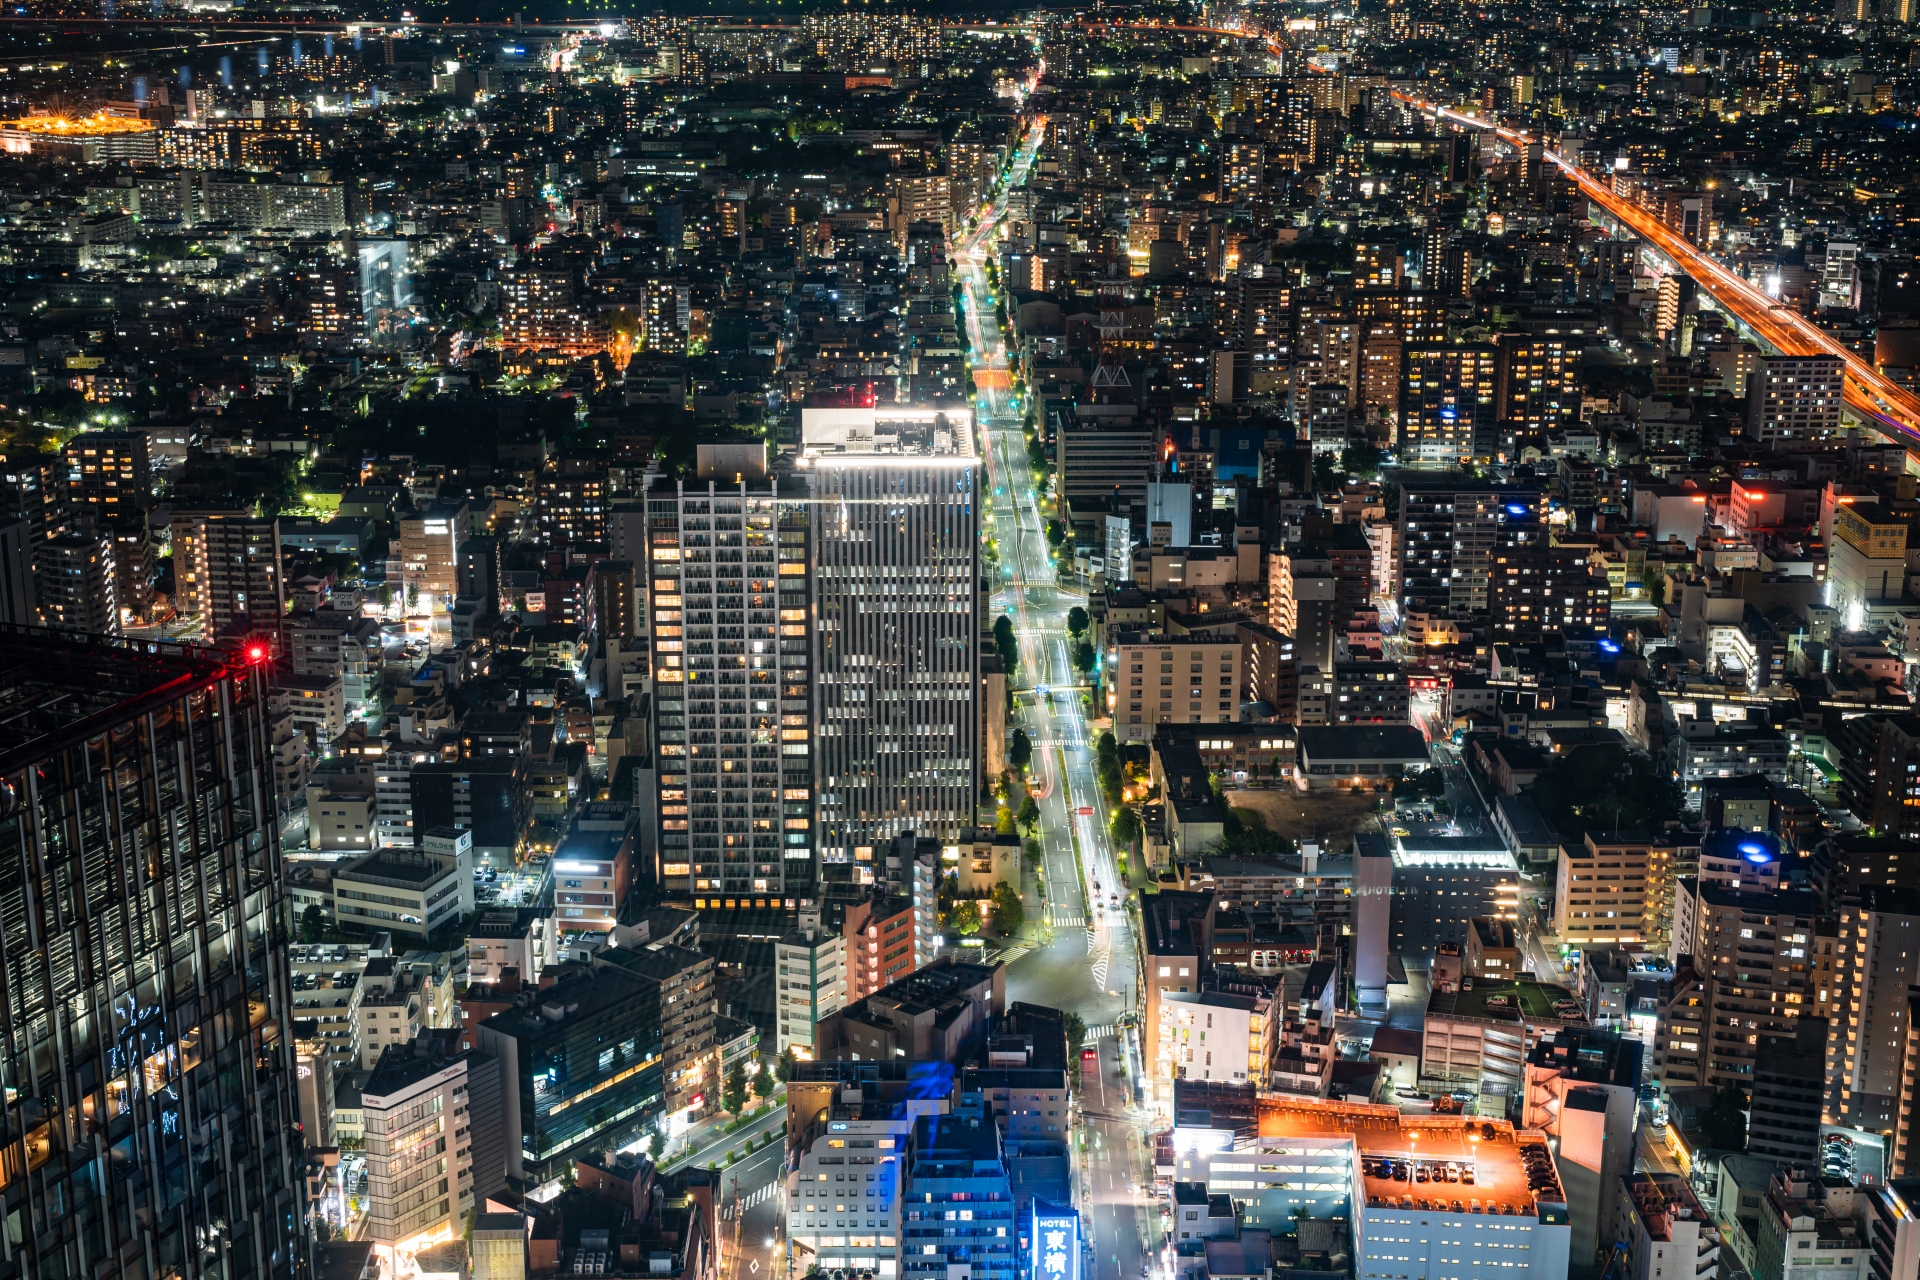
x,y
1448,401
1795,399
1538,381
571,506
1450,534
1878,960
1753,954
1665,1228
226,571
74,581
896,544
178,1058
1539,591
1600,896
108,473
884,944
730,620
958,1167
541,309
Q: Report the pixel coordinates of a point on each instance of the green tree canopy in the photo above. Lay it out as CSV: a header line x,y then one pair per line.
x,y
733,1096
1003,821
964,919
1428,782
763,1083
1020,750
1009,913
1077,621
1125,827
1029,814
1360,459
1005,643
1606,788
1724,1123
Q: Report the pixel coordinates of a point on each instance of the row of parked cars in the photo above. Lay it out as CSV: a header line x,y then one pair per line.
x,y
1836,1156
1420,1170
1539,1165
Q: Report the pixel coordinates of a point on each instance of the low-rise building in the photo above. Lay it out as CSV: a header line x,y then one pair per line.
x,y
1480,1039
1666,1229
1359,756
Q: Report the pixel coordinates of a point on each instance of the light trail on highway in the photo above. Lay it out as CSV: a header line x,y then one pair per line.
x,y
1892,408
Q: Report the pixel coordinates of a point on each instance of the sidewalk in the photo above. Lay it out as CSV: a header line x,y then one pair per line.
x,y
708,1140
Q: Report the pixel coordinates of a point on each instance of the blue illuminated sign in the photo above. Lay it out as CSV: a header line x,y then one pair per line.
x,y
1608,646
1055,1242
1754,852
838,1126
1516,509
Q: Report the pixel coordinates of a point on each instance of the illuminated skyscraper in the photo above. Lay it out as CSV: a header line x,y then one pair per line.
x,y
733,711
896,544
152,1122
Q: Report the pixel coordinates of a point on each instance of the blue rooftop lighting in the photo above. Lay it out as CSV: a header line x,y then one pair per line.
x,y
1755,853
1609,646
1516,509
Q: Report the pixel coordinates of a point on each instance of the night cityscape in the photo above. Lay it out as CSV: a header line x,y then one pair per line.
x,y
803,640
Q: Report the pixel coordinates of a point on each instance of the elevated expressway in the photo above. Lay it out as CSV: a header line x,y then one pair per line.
x,y
1872,398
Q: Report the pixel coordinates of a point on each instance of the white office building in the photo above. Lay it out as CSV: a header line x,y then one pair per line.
x,y
810,973
896,545
1495,1211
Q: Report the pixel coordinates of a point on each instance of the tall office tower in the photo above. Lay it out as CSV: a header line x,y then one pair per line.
x,y
143,945
1449,536
226,571
1794,399
733,710
896,545
1879,959
1538,381
1447,402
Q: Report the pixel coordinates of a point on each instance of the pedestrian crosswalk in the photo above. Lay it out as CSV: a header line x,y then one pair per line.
x,y
752,1200
1011,954
1069,922
1102,1031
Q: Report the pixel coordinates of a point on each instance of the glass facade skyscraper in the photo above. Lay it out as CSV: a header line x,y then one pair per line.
x,y
896,544
149,1125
